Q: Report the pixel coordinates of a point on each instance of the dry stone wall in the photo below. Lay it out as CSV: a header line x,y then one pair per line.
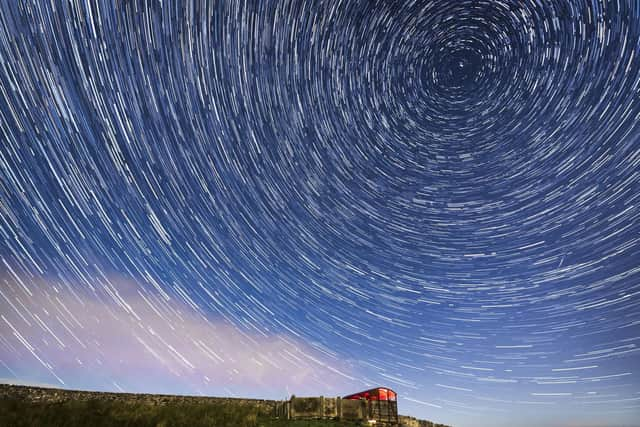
x,y
406,421
40,394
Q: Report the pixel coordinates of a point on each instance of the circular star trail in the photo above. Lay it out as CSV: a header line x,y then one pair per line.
x,y
443,196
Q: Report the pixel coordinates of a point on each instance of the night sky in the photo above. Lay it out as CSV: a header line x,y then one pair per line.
x,y
265,198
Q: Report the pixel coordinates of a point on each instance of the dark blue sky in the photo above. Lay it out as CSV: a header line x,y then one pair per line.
x,y
262,198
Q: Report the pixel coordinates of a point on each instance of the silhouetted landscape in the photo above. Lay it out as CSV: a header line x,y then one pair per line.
x,y
38,406
115,409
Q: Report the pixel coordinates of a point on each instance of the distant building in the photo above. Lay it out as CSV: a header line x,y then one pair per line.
x,y
383,404
377,406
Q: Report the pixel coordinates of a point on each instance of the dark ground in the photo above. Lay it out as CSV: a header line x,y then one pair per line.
x,y
101,413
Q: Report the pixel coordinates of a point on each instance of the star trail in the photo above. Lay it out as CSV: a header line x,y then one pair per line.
x,y
260,198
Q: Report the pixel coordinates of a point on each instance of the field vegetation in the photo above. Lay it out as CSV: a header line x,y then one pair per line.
x,y
107,413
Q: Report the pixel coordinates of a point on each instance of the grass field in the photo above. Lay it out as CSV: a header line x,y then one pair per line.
x,y
104,413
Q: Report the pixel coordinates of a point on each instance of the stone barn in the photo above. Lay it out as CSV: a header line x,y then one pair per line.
x,y
377,405
382,404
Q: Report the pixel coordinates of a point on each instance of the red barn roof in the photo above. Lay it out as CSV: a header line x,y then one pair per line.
x,y
379,393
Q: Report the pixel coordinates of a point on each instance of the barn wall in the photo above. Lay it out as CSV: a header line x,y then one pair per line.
x,y
335,407
353,409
